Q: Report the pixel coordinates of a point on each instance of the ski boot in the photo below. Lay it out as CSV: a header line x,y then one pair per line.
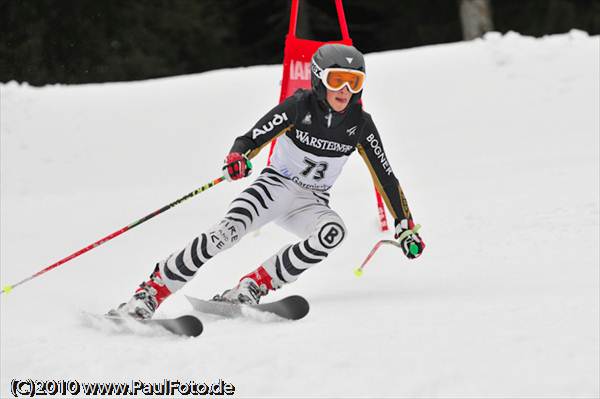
x,y
145,300
249,290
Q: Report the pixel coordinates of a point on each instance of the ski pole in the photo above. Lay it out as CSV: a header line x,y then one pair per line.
x,y
359,271
414,249
9,288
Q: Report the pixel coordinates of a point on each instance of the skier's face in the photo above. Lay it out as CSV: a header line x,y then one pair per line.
x,y
339,100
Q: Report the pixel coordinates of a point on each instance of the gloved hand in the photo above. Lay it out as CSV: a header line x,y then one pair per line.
x,y
236,166
408,234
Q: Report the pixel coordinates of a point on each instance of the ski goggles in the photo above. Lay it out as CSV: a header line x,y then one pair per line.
x,y
336,78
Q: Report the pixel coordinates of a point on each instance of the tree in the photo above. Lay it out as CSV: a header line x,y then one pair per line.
x,y
476,17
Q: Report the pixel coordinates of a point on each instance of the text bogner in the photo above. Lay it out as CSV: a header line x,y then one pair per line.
x,y
322,144
378,150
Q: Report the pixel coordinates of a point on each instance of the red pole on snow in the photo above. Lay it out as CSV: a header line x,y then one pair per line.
x,y
109,237
381,209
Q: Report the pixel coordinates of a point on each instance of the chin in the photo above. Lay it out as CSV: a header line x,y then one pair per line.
x,y
337,107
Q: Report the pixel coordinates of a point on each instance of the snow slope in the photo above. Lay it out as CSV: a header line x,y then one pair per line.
x,y
496,143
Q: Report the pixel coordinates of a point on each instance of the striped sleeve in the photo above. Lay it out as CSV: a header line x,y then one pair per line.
x,y
272,125
371,150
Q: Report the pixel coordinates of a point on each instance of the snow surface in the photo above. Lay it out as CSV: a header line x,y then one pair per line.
x,y
496,143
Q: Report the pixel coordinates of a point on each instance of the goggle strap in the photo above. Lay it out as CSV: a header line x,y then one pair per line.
x,y
316,69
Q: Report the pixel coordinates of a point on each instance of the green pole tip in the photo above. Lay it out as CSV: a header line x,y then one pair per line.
x,y
414,249
358,272
7,288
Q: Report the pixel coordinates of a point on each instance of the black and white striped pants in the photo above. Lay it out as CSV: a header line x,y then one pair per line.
x,y
271,197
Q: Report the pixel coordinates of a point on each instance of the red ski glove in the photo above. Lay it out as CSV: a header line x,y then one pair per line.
x,y
408,234
236,166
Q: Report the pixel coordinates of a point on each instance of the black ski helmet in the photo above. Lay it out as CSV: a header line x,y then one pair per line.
x,y
335,55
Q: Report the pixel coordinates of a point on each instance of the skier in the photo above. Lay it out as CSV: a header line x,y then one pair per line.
x,y
317,130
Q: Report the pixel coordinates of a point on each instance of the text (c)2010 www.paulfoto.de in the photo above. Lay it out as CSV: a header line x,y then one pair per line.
x,y
33,388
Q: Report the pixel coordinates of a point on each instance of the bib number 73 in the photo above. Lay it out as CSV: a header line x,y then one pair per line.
x,y
316,168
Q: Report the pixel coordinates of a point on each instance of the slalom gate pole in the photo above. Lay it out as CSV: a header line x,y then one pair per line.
x,y
9,288
359,271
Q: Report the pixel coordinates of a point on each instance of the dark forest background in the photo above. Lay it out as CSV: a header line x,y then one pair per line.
x,y
83,41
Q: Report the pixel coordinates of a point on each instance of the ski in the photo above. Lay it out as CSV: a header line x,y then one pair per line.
x,y
186,325
292,307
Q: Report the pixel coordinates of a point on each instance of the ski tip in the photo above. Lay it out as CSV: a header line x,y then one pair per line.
x,y
194,325
185,326
299,299
190,299
301,305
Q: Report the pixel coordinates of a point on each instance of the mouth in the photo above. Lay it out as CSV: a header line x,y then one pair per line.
x,y
341,100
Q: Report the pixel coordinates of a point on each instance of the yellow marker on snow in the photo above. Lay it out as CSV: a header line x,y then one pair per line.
x,y
358,272
7,288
